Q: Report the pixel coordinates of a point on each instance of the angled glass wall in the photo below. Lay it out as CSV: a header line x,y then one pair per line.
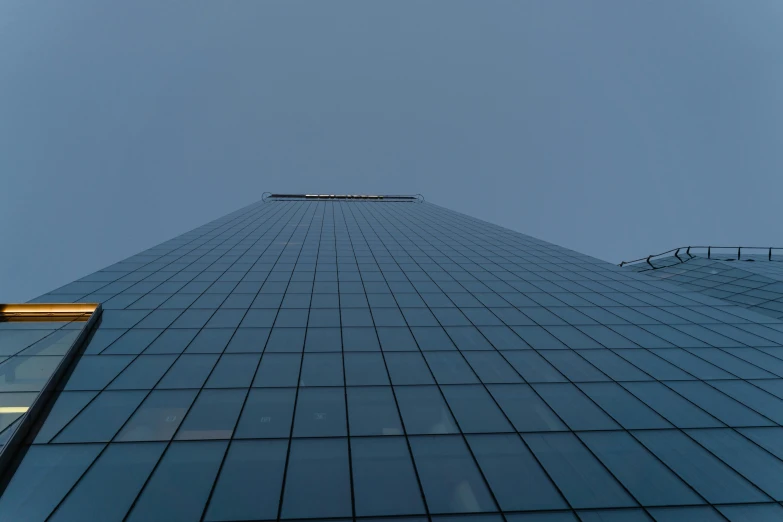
x,y
354,359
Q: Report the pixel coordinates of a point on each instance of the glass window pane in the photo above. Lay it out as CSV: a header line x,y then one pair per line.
x,y
143,373
159,416
710,477
383,477
213,415
322,369
250,481
320,412
171,341
286,340
408,368
189,371
514,476
432,338
626,409
43,478
246,340
759,513
68,405
267,413
449,477
360,340
373,411
570,364
108,489
686,514
579,412
233,371
532,367
317,483
450,368
278,369
323,340
365,369
719,405
525,409
643,475
424,411
475,410
592,486
491,367
92,372
180,485
132,343
671,406
751,461
396,339
101,419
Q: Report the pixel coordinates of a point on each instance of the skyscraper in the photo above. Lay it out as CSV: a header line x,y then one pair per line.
x,y
384,358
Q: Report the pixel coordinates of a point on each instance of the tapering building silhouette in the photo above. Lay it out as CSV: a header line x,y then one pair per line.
x,y
383,358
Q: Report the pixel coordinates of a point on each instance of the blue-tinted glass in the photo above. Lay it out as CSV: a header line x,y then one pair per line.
x,y
614,515
250,481
244,340
532,367
451,481
68,405
180,484
570,364
579,412
408,368
43,479
491,367
759,400
424,411
320,412
317,482
525,409
450,368
171,341
503,338
710,477
671,406
213,415
102,418
267,413
373,411
719,405
383,477
614,366
93,372
751,461
360,340
233,370
516,479
686,514
652,483
158,417
323,340
278,369
757,513
189,371
432,338
475,410
365,369
322,369
143,373
396,339
132,343
286,340
108,489
592,486
626,409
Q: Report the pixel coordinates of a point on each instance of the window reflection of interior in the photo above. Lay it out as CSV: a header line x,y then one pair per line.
x,y
34,339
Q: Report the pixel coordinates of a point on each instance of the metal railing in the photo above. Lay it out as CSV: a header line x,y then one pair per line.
x,y
739,249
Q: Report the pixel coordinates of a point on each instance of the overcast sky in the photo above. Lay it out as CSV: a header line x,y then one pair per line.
x,y
616,128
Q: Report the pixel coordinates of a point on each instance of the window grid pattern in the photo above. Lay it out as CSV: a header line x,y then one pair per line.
x,y
366,360
754,282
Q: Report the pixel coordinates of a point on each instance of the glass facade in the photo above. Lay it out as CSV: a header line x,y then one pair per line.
x,y
395,360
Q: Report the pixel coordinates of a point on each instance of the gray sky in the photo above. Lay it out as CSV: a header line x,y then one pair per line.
x,y
616,128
